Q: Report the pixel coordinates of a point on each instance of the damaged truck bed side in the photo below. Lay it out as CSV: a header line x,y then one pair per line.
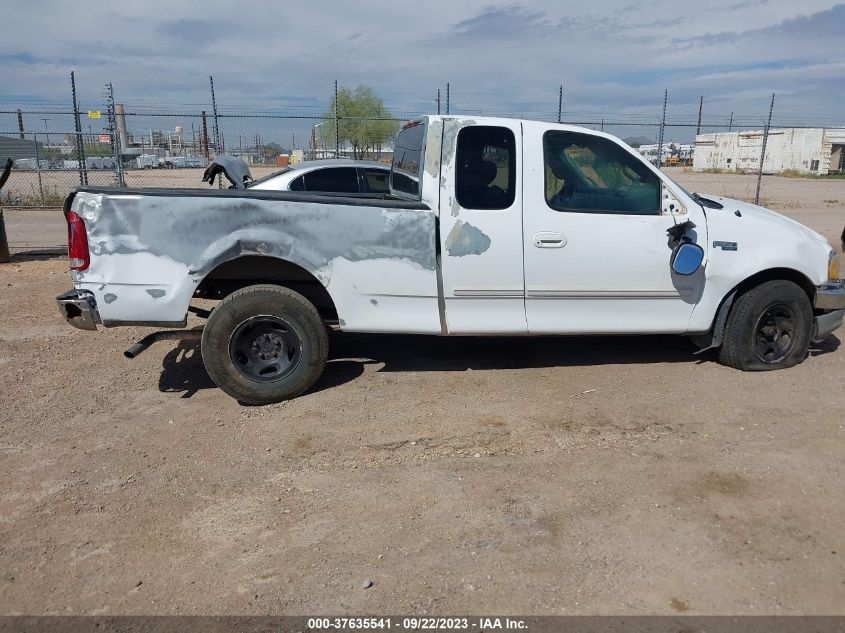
x,y
493,226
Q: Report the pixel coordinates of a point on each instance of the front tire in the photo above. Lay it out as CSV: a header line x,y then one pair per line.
x,y
264,344
769,327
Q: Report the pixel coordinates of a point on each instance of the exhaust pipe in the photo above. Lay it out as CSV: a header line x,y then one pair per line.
x,y
164,335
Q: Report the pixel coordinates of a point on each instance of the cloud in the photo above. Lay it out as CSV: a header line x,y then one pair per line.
x,y
745,5
497,22
192,32
806,29
614,58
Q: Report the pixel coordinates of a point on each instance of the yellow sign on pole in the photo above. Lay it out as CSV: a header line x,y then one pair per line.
x,y
93,114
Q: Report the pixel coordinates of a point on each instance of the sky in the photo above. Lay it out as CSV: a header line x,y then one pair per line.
x,y
614,58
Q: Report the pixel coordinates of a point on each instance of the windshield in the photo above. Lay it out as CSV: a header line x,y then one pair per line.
x,y
702,200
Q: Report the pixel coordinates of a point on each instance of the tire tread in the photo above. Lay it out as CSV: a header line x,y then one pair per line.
x,y
216,360
736,349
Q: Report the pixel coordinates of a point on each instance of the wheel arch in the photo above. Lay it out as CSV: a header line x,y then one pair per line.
x,y
250,269
713,338
773,274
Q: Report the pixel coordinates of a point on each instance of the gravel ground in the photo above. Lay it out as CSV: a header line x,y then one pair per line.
x,y
542,476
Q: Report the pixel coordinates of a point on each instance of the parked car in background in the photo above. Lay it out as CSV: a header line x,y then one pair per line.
x,y
332,176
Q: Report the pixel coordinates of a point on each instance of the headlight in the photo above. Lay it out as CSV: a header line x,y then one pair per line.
x,y
833,266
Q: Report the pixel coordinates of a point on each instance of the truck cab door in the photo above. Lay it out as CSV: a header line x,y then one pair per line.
x,y
480,212
597,253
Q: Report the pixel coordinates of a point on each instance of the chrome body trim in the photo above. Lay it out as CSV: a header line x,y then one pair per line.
x,y
830,296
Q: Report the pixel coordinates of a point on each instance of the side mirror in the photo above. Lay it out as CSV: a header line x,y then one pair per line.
x,y
686,258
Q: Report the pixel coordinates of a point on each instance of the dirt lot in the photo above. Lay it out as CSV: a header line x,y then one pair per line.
x,y
542,476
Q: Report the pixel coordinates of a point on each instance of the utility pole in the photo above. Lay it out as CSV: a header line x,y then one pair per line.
x,y
80,145
20,123
763,150
560,103
662,126
447,97
336,126
204,137
731,122
216,122
700,107
115,137
47,134
438,102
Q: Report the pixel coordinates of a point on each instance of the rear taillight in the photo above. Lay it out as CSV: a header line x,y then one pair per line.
x,y
77,242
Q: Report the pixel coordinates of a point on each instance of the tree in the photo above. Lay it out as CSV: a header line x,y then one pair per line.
x,y
93,149
363,121
268,152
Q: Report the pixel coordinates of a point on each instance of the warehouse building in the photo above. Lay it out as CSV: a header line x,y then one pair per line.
x,y
818,151
16,148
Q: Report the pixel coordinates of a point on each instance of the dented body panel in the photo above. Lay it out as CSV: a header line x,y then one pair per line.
x,y
150,251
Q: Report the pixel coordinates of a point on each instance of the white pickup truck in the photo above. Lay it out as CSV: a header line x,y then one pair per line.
x,y
492,227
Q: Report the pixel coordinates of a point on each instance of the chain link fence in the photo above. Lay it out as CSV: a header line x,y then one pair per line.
x,y
802,164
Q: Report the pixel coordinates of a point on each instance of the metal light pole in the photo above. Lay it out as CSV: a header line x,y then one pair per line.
x,y
46,132
314,143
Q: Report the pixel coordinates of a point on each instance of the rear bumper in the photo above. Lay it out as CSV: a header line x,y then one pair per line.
x,y
79,308
831,296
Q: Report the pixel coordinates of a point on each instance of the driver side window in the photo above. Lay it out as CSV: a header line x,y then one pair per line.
x,y
592,174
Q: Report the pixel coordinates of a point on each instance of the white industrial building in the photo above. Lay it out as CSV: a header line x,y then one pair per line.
x,y
811,150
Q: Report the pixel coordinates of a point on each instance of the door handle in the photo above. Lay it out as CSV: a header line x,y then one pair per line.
x,y
549,239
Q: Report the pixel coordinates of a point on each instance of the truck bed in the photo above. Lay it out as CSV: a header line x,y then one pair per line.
x,y
151,249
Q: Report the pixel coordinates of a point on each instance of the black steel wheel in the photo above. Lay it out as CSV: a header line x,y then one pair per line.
x,y
768,327
265,348
774,334
264,344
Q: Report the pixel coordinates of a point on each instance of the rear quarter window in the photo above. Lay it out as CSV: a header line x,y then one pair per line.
x,y
333,180
407,161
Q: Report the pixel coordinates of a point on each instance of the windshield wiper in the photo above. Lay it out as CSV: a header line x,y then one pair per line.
x,y
707,202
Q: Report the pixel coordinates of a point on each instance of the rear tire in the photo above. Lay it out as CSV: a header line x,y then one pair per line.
x,y
264,344
769,327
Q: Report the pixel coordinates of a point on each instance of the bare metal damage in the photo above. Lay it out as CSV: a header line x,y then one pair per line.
x,y
149,252
466,239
